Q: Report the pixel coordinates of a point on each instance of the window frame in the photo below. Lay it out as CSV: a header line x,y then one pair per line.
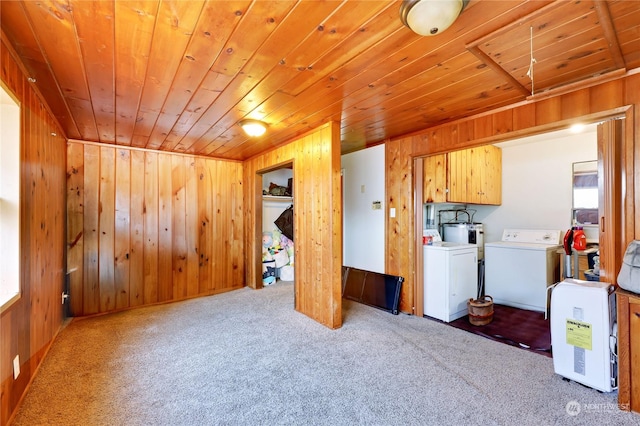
x,y
10,136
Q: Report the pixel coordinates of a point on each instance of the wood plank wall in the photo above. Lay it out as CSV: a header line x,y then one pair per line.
x,y
317,220
146,227
509,123
399,244
28,326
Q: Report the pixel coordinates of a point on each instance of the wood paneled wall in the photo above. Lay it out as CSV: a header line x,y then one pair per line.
x,y
399,246
529,117
147,227
28,326
317,220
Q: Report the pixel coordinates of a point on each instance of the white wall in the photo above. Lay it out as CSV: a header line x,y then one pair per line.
x,y
536,182
272,209
279,177
363,182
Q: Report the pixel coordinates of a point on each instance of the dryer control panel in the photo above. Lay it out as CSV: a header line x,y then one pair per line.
x,y
538,236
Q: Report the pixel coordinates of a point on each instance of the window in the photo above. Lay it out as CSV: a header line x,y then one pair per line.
x,y
585,193
9,199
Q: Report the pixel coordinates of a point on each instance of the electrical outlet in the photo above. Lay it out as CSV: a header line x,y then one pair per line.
x,y
16,367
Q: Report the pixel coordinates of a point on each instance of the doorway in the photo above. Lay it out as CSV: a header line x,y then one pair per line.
x,y
274,218
613,140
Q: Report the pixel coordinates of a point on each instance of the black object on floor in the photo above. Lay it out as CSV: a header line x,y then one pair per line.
x,y
516,327
381,291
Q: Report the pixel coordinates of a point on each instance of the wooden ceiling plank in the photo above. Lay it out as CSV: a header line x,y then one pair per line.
x,y
174,26
94,25
134,22
47,86
343,39
392,83
274,80
558,53
329,90
216,23
460,92
322,33
417,107
348,97
606,23
444,43
368,99
81,109
273,101
211,88
626,16
290,33
228,121
550,7
547,45
551,36
588,60
552,28
259,22
57,40
417,122
16,31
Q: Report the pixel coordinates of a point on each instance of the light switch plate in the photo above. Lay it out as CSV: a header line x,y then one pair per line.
x,y
392,212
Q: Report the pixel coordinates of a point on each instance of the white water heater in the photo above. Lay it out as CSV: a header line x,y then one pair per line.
x,y
584,333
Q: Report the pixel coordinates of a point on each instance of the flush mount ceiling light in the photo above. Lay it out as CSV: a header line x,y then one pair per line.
x,y
253,128
430,17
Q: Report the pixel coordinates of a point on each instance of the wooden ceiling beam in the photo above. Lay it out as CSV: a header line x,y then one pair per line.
x,y
604,15
486,59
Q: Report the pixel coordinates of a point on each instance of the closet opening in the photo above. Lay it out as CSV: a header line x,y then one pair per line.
x,y
275,225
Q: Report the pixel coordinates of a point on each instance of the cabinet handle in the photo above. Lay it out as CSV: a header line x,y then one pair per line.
x,y
637,314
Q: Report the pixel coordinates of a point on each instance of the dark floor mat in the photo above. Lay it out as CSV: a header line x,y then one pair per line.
x,y
516,327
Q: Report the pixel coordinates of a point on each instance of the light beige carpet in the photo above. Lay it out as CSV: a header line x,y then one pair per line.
x,y
247,358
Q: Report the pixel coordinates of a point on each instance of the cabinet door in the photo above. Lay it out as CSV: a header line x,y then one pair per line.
x,y
634,354
475,175
458,176
487,166
476,172
434,186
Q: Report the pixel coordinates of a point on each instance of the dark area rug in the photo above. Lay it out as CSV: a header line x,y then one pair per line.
x,y
516,327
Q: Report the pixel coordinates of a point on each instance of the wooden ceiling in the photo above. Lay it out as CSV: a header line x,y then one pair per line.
x,y
179,75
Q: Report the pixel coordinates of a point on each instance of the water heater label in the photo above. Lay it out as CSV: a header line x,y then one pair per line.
x,y
579,334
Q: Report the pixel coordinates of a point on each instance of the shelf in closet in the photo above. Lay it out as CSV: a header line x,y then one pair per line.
x,y
277,198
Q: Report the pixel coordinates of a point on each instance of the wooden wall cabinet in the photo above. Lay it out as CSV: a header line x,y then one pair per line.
x,y
628,307
434,184
470,176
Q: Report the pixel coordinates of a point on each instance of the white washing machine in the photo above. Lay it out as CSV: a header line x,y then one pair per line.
x,y
520,267
450,278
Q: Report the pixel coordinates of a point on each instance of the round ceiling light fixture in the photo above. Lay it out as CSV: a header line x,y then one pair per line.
x,y
430,17
253,128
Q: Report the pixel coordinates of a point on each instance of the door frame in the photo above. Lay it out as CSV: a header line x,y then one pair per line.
x,y
258,217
